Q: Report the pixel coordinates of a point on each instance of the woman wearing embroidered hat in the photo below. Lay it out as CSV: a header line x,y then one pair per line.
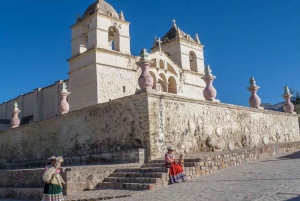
x,y
175,168
51,163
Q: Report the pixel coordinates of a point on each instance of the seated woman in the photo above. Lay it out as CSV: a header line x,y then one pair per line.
x,y
175,168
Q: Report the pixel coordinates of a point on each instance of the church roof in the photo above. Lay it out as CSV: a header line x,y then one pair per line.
x,y
175,32
102,7
172,33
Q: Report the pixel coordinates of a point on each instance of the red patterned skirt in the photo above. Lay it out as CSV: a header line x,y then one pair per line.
x,y
176,173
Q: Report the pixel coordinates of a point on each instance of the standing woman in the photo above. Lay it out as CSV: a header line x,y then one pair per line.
x,y
175,168
53,181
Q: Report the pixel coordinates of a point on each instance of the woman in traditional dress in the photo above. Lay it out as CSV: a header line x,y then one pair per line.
x,y
53,182
175,168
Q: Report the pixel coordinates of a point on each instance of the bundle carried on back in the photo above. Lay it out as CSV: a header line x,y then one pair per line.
x,y
57,180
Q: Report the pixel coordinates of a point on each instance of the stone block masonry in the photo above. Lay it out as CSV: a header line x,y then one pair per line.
x,y
191,125
147,120
82,137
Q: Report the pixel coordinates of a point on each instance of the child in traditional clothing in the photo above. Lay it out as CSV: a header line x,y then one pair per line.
x,y
175,167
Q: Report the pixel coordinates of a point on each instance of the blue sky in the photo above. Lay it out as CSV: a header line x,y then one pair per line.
x,y
242,38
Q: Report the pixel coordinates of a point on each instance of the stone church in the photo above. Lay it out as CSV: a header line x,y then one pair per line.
x,y
110,108
102,68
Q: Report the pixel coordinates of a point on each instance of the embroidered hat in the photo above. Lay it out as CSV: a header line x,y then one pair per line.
x,y
170,148
52,158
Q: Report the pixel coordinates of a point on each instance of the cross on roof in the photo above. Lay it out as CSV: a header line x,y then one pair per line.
x,y
174,23
159,44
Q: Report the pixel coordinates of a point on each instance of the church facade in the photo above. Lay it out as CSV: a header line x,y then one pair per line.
x,y
102,68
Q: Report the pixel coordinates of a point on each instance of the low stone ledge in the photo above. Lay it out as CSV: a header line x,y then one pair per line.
x,y
77,178
112,157
21,193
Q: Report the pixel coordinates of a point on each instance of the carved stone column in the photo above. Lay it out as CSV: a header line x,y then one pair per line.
x,y
209,92
254,100
288,107
64,105
145,80
15,121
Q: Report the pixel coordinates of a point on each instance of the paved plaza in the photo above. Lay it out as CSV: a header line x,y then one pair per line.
x,y
276,178
272,179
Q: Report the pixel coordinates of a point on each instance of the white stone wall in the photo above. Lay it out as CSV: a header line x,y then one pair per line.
x,y
83,87
42,104
192,125
112,81
82,60
49,107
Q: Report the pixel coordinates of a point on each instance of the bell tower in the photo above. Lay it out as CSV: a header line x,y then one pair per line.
x,y
99,29
184,50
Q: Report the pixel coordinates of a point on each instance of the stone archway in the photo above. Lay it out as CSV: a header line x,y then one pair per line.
x,y
113,38
172,86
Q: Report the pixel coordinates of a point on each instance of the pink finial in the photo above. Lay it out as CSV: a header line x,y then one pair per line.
x,y
254,100
15,121
288,107
64,105
145,79
209,92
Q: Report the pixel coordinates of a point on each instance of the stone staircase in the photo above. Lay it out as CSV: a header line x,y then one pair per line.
x,y
150,176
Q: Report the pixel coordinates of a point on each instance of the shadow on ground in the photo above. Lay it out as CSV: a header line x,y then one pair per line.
x,y
294,199
295,155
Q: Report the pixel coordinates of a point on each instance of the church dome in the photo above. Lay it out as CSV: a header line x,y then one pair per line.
x,y
102,7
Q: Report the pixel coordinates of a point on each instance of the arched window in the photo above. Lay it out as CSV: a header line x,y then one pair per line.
x,y
161,83
114,39
172,87
193,61
154,79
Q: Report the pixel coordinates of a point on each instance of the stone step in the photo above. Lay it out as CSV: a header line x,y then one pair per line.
x,y
186,164
133,180
194,160
139,174
129,186
151,169
21,193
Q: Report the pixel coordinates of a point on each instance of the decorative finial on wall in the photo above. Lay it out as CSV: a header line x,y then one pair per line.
x,y
197,39
287,91
15,121
178,33
64,105
254,100
121,16
288,106
16,106
208,71
144,54
145,80
209,92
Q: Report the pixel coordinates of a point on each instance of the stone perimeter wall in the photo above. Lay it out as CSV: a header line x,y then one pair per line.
x,y
19,183
190,125
147,120
81,136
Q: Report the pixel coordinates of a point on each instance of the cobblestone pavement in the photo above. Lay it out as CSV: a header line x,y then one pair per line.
x,y
272,179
